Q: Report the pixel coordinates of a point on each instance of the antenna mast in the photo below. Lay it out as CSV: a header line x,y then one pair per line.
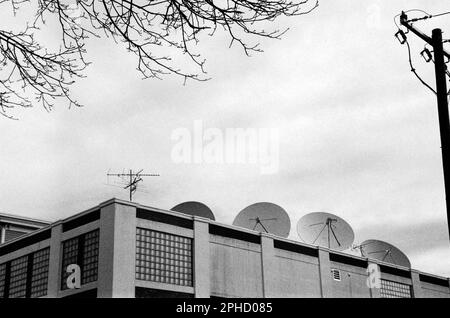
x,y
134,179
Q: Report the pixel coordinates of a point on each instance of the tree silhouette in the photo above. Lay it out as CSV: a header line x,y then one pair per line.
x,y
158,32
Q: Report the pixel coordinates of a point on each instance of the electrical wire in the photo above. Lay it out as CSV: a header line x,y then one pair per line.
x,y
428,16
410,10
440,14
414,70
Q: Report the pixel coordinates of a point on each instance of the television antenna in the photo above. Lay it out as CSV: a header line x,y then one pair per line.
x,y
133,178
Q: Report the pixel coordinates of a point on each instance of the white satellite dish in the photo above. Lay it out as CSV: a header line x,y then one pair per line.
x,y
265,217
325,229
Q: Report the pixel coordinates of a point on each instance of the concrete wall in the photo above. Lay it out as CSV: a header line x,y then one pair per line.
x,y
353,282
235,269
434,291
296,275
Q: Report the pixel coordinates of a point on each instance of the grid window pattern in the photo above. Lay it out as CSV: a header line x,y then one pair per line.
x,y
81,250
18,277
69,256
26,276
39,276
390,289
90,258
163,257
2,279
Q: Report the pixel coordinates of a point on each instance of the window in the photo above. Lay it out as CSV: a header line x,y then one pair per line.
x,y
18,280
83,251
2,279
11,235
336,274
390,289
163,257
28,275
39,277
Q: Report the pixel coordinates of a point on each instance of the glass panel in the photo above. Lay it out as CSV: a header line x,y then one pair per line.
x,y
18,277
81,250
158,257
2,279
39,278
90,258
390,289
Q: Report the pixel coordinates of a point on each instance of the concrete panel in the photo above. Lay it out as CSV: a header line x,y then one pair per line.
x,y
295,278
54,270
351,285
268,264
201,260
235,271
106,252
416,284
124,251
117,254
296,256
325,273
353,281
434,291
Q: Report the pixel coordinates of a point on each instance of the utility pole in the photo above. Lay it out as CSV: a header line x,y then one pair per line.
x,y
442,100
134,179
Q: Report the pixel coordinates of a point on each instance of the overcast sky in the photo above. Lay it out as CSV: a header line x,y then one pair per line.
x,y
359,135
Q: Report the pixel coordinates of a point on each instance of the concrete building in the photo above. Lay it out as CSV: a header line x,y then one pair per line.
x,y
13,226
128,250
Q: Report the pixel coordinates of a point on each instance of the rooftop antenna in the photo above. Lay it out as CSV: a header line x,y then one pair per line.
x,y
133,179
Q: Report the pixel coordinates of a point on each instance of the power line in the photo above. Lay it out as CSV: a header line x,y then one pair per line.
x,y
410,10
441,14
428,16
414,70
441,73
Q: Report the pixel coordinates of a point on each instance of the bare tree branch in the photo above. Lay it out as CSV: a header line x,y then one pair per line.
x,y
158,32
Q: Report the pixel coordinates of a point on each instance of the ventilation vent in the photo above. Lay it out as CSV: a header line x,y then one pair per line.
x,y
336,274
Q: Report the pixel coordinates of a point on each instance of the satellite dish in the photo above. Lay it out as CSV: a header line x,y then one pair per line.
x,y
384,252
325,229
265,217
194,208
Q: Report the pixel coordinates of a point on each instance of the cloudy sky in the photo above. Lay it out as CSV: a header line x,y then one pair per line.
x,y
358,134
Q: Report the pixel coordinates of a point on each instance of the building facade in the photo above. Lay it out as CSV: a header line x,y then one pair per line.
x,y
12,226
124,249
